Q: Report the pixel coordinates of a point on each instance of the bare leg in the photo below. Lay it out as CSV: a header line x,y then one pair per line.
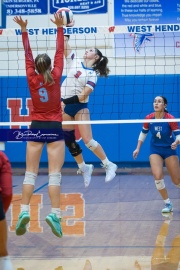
x,y
56,152
157,170
172,165
33,155
3,238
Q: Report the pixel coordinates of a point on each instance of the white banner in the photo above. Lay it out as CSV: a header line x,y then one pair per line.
x,y
86,30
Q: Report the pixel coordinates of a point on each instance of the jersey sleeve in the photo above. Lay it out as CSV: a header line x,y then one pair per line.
x,y
59,55
145,128
91,83
173,125
70,59
30,66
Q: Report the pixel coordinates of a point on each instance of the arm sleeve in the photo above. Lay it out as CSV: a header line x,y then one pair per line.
x,y
30,66
59,55
142,136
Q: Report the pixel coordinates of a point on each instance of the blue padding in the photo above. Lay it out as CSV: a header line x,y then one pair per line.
x,y
114,98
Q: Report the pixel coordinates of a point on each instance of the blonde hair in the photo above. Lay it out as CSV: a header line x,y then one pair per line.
x,y
43,65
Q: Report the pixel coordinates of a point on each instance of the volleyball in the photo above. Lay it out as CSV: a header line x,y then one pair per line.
x,y
67,15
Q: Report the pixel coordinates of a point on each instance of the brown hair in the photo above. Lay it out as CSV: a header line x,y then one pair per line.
x,y
165,102
100,66
43,64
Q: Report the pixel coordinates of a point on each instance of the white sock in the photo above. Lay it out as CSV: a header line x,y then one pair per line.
x,y
56,211
5,263
105,161
167,201
167,221
25,207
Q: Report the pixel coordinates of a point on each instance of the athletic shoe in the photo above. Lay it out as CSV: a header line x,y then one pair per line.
x,y
86,174
168,208
23,220
55,224
111,169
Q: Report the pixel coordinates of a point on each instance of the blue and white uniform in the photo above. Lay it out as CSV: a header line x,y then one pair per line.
x,y
78,76
162,135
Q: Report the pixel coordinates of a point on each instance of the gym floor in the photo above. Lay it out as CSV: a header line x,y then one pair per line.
x,y
107,226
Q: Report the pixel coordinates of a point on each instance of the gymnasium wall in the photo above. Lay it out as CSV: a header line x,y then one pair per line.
x,y
132,99
128,93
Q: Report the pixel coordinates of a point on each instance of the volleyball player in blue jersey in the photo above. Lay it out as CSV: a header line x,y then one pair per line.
x,y
162,148
80,82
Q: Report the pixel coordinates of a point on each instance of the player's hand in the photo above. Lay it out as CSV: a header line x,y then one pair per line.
x,y
58,20
135,153
21,22
174,145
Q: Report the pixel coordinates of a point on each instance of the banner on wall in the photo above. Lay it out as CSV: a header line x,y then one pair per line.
x,y
80,6
41,7
2,15
26,7
143,13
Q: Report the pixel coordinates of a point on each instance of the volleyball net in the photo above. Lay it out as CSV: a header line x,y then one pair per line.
x,y
143,63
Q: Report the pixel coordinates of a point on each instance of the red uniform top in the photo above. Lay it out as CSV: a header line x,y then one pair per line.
x,y
46,99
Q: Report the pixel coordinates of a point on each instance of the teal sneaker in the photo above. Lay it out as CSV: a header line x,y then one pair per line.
x,y
55,224
23,220
168,208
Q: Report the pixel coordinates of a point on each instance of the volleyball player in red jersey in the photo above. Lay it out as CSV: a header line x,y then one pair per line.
x,y
5,200
162,148
44,85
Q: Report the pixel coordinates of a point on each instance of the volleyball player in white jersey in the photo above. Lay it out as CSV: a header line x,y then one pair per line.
x,y
80,82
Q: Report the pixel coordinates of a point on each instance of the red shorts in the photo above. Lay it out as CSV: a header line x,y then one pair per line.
x,y
5,181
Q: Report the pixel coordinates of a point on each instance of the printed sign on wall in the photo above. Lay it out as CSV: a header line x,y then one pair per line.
x,y
139,15
26,7
81,6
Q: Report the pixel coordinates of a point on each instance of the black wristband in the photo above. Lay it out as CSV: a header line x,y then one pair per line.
x,y
71,100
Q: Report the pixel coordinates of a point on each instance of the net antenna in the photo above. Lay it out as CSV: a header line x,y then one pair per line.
x,y
144,62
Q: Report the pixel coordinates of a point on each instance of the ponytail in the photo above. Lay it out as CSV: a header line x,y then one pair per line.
x,y
43,65
165,102
100,66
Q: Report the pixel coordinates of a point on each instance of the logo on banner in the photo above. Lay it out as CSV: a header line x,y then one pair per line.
x,y
111,29
16,105
141,40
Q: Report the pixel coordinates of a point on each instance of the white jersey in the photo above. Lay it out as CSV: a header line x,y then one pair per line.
x,y
78,76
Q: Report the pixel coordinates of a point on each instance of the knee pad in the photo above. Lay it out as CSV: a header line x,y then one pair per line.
x,y
178,186
30,178
92,145
55,179
160,184
71,143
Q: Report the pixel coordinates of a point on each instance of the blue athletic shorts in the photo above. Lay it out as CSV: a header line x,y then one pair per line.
x,y
73,109
164,152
